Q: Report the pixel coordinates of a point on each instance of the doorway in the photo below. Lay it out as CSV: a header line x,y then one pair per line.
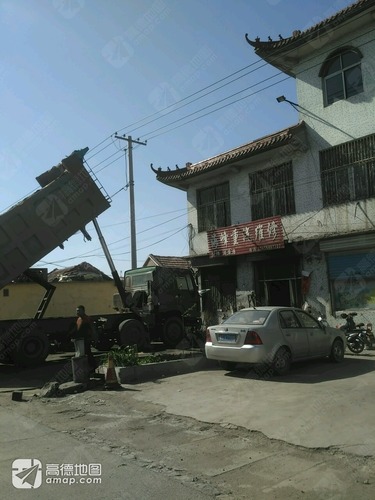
x,y
278,282
278,293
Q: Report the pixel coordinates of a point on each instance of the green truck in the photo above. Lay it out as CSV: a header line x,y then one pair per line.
x,y
161,304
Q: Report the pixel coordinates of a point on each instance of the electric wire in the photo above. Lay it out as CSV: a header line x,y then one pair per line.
x,y
169,130
85,254
197,98
292,45
217,109
235,101
162,111
213,104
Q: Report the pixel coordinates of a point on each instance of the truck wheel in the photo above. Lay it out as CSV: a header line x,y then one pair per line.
x,y
4,357
31,349
133,332
104,344
173,332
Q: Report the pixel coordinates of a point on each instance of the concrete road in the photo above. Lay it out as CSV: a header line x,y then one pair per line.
x,y
210,434
67,467
318,405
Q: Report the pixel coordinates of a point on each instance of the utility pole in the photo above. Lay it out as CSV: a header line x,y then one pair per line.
x,y
133,241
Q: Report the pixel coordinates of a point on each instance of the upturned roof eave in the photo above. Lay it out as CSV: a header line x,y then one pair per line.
x,y
180,178
277,52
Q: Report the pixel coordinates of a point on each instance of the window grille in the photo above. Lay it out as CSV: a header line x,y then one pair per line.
x,y
348,171
213,206
272,192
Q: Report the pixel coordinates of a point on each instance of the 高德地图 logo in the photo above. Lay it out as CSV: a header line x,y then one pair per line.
x,y
26,473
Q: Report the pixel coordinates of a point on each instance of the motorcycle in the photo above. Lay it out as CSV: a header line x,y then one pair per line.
x,y
357,336
368,337
353,333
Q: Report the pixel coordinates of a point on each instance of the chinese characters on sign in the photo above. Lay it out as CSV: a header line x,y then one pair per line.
x,y
256,236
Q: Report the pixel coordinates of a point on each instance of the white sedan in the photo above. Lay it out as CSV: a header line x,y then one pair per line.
x,y
273,337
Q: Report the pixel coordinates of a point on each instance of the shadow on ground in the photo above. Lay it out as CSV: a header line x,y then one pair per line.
x,y
312,372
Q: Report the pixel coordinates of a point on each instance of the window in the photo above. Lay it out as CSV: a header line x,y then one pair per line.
x,y
348,171
306,320
342,75
288,319
272,192
184,283
352,280
253,317
213,207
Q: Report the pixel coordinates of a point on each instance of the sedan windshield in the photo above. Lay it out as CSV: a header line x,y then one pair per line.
x,y
248,317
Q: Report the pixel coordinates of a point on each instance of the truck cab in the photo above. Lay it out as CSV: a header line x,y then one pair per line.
x,y
165,299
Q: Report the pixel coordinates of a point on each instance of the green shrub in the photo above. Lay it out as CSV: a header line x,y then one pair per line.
x,y
123,356
128,356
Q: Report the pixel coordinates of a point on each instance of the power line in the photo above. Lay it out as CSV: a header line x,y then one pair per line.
x,y
214,111
276,52
90,254
198,98
85,254
207,107
191,95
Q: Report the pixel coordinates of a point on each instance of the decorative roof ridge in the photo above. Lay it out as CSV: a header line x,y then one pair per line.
x,y
313,31
248,149
246,145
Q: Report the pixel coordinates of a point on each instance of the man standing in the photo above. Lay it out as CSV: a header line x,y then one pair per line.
x,y
84,330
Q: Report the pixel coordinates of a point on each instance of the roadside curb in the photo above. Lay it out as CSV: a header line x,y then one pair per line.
x,y
154,371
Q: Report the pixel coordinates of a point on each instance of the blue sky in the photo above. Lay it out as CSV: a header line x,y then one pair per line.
x,y
74,72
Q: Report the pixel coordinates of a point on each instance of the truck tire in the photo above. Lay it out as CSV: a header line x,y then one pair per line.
x,y
31,349
103,344
4,357
173,332
133,332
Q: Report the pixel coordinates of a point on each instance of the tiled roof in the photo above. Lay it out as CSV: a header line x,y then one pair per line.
x,y
79,272
167,261
264,48
253,148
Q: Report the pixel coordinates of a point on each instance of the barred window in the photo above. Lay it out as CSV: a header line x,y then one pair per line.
x,y
342,75
272,192
348,171
213,206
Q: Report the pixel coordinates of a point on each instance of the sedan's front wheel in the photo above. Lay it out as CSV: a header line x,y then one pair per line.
x,y
281,362
337,351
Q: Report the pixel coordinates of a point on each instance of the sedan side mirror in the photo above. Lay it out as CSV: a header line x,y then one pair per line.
x,y
322,322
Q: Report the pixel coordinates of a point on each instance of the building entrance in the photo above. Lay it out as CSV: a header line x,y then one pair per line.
x,y
279,293
278,282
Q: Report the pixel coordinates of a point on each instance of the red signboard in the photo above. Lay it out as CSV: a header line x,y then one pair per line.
x,y
255,236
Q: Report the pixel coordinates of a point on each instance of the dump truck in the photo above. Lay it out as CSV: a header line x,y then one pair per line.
x,y
70,197
151,303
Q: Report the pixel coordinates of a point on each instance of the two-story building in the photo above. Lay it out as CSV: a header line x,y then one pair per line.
x,y
292,215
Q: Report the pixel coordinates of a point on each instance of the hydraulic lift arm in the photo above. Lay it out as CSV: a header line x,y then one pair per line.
x,y
111,264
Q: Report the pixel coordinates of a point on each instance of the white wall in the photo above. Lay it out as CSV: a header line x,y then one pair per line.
x,y
346,119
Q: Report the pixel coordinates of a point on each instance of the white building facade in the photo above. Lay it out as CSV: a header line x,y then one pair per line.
x,y
292,215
